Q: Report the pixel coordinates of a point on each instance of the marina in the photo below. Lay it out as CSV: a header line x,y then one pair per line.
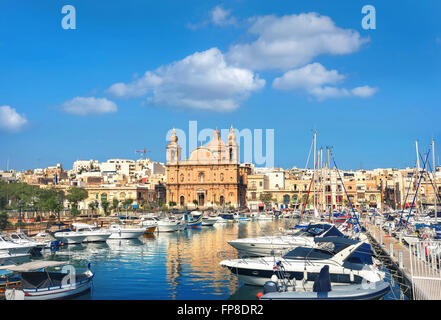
x,y
172,265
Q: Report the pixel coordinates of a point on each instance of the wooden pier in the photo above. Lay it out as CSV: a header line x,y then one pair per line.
x,y
419,277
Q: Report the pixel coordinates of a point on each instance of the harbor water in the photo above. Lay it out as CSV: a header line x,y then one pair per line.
x,y
180,265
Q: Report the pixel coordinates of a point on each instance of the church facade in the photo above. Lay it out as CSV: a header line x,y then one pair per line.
x,y
211,177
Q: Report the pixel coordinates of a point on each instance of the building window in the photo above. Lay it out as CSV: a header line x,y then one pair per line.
x,y
201,177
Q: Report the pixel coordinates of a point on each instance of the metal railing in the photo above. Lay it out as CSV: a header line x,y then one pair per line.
x,y
425,269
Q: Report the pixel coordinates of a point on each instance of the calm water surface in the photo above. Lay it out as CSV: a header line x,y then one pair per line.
x,y
165,266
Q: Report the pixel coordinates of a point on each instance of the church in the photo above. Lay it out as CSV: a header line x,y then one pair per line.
x,y
212,177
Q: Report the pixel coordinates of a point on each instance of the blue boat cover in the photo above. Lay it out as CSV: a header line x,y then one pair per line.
x,y
323,282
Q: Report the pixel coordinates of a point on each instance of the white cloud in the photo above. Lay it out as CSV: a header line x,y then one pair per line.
x,y
315,80
88,105
291,41
311,75
10,120
221,17
202,80
364,92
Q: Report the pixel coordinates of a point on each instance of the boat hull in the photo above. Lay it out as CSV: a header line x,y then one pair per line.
x,y
168,227
50,293
126,234
373,291
150,230
268,247
9,259
70,239
97,237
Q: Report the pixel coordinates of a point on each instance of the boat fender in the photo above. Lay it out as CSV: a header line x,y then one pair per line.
x,y
270,286
351,276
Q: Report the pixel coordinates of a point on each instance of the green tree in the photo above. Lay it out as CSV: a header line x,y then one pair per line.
x,y
128,202
105,205
115,204
93,205
4,223
74,196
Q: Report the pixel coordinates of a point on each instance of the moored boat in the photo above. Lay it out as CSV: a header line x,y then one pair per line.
x,y
350,262
322,289
120,231
70,237
44,285
93,233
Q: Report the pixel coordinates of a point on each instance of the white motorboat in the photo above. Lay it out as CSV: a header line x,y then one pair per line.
x,y
349,261
120,231
278,245
221,220
209,221
283,289
20,238
43,285
169,225
47,240
93,233
148,221
7,258
70,237
264,216
6,243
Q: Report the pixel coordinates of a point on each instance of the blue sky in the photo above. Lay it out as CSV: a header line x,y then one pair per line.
x,y
85,94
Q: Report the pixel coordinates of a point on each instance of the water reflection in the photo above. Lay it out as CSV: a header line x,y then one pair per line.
x,y
169,265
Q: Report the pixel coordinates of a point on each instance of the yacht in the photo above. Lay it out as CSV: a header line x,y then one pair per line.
x,y
169,225
21,238
15,248
70,237
46,239
272,245
7,258
93,233
120,231
350,262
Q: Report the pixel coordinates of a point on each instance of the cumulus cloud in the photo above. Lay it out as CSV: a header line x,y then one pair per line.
x,y
317,81
202,80
83,106
10,120
364,92
217,16
222,17
291,41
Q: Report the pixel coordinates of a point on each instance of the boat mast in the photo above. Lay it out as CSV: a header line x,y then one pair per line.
x,y
434,180
418,170
323,180
314,173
